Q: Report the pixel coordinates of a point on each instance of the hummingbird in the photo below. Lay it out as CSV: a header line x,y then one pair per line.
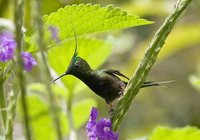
x,y
104,82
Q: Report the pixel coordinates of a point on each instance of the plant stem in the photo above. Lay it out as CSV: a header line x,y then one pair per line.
x,y
19,14
47,76
11,114
2,100
72,133
146,63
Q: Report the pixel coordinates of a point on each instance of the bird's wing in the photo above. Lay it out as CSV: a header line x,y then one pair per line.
x,y
115,72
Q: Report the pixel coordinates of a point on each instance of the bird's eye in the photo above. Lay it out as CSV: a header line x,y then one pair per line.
x,y
78,64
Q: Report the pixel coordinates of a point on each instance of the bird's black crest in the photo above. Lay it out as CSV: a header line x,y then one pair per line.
x,y
75,56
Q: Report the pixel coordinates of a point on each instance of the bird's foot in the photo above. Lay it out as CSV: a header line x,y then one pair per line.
x,y
120,93
111,111
111,108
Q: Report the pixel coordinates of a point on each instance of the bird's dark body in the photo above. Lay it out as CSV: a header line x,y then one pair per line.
x,y
103,83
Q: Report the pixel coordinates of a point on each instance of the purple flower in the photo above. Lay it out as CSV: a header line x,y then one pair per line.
x,y
28,61
101,130
54,33
104,130
7,46
94,114
91,125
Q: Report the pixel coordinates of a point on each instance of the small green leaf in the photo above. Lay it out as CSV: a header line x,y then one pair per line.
x,y
186,133
81,111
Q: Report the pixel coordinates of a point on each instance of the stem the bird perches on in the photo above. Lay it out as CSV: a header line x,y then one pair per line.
x,y
146,63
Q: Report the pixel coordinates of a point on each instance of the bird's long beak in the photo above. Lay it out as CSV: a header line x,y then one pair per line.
x,y
59,77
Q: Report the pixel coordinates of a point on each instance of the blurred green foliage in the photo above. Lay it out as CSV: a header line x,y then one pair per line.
x,y
40,116
177,106
165,133
195,81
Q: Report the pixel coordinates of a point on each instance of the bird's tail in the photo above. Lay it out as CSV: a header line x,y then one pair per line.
x,y
151,83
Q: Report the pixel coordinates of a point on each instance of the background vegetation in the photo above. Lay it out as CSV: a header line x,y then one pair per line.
x,y
177,106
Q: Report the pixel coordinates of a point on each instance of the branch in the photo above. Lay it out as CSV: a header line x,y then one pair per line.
x,y
146,63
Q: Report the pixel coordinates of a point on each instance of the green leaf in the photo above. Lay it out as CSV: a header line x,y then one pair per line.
x,y
91,18
94,51
41,120
81,111
84,19
195,81
186,133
